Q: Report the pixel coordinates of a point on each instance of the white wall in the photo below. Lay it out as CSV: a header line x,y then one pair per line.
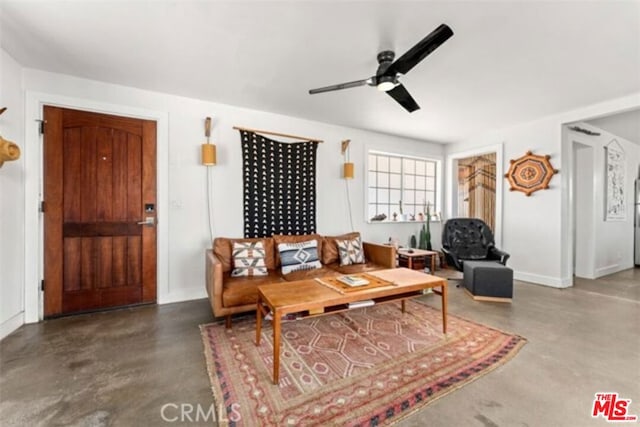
x,y
12,196
530,225
187,233
536,230
626,125
610,242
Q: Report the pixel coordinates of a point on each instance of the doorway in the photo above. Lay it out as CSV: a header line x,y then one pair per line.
x,y
474,188
600,244
99,192
477,188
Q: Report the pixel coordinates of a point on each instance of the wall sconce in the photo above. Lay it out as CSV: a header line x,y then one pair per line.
x,y
208,149
347,167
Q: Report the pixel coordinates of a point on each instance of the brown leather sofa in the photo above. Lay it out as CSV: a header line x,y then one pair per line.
x,y
229,295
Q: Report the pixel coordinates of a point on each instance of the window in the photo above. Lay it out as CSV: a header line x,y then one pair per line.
x,y
393,178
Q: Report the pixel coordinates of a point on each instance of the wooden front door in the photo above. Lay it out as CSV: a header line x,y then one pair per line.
x,y
99,185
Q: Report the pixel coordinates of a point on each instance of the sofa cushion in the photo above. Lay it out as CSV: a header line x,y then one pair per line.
x,y
284,238
330,252
354,268
299,256
223,246
350,251
238,291
248,259
310,274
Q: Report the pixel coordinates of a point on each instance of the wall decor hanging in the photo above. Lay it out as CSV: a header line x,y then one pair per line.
x,y
616,206
530,173
9,151
279,185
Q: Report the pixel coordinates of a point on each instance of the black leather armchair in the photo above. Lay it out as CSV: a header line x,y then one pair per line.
x,y
469,239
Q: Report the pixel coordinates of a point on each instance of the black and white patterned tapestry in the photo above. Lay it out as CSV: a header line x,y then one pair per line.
x,y
279,186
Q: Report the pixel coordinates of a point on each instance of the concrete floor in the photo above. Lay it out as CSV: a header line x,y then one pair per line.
x,y
120,367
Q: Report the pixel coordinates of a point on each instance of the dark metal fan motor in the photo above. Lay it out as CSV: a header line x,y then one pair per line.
x,y
386,78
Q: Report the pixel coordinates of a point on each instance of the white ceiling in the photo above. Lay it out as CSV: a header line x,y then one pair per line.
x,y
508,62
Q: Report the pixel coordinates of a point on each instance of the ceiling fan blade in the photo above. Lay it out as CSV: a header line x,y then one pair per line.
x,y
400,94
340,86
417,53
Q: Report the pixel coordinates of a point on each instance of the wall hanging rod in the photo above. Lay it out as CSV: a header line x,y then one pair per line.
x,y
266,132
585,131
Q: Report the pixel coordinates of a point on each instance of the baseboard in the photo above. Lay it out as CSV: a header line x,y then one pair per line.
x,y
11,324
610,269
183,295
554,282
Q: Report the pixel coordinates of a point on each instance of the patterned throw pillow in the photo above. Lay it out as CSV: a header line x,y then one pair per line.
x,y
350,251
299,256
248,259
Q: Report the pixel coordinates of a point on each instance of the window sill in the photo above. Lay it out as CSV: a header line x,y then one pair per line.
x,y
387,221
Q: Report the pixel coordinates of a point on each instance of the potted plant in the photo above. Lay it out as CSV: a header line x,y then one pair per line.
x,y
425,231
428,227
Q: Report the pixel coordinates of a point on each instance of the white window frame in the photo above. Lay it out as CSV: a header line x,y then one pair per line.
x,y
437,189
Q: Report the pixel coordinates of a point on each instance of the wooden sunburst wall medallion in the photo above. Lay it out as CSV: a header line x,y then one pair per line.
x,y
530,173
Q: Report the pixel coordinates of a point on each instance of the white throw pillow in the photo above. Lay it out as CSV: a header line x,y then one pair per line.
x,y
350,251
248,259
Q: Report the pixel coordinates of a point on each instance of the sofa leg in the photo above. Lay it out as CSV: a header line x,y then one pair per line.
x,y
227,321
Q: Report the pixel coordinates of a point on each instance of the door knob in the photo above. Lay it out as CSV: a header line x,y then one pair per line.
x,y
150,221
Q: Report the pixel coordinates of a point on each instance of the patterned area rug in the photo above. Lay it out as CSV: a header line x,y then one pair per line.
x,y
366,367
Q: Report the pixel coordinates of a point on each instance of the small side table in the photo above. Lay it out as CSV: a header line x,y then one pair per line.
x,y
406,258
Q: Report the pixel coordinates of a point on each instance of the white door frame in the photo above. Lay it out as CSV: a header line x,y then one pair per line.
x,y
574,139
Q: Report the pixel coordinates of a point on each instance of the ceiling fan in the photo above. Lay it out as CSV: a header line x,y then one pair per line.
x,y
386,78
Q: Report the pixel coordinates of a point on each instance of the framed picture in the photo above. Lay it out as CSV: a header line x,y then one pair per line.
x,y
615,200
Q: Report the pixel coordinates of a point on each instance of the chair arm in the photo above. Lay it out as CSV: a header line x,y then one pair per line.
x,y
452,259
497,254
214,282
383,255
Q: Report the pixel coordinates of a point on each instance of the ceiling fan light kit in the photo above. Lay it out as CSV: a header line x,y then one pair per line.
x,y
386,78
386,83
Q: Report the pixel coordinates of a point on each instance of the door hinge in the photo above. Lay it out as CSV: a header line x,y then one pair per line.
x,y
42,285
42,206
41,126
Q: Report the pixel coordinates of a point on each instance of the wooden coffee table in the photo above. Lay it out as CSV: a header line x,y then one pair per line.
x,y
317,297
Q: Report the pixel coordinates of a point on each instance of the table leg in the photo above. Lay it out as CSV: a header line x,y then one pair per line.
x,y
433,264
276,346
258,320
404,308
410,263
444,307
